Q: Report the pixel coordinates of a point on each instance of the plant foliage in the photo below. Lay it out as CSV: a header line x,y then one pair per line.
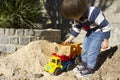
x,y
21,13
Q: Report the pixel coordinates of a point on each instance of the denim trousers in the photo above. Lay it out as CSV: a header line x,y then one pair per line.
x,y
91,48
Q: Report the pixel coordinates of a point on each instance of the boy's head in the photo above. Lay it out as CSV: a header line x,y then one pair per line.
x,y
74,9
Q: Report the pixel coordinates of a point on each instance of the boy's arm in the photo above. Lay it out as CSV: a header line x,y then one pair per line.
x,y
101,21
104,25
69,39
74,32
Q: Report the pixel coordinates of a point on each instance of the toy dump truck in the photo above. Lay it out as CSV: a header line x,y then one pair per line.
x,y
59,63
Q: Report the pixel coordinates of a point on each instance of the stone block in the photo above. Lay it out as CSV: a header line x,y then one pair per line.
x,y
51,35
14,40
33,38
9,32
4,40
29,32
3,49
38,32
19,32
24,40
11,49
2,31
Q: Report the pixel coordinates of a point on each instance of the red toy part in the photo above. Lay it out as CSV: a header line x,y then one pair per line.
x,y
64,58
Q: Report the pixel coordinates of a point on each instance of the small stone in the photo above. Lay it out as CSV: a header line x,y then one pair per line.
x,y
38,75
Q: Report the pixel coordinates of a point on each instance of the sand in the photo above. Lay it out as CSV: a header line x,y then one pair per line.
x,y
27,64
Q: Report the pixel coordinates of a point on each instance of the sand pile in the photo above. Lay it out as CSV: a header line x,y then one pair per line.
x,y
27,64
30,58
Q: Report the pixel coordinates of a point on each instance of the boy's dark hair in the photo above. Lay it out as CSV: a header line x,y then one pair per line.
x,y
74,8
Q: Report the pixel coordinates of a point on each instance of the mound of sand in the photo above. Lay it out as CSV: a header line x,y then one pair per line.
x,y
30,58
27,64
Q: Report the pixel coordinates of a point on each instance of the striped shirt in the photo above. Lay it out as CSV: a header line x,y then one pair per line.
x,y
95,21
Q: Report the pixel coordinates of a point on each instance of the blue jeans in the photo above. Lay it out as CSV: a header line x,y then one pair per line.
x,y
91,48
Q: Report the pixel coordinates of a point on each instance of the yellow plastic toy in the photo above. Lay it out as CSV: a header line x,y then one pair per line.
x,y
54,66
59,63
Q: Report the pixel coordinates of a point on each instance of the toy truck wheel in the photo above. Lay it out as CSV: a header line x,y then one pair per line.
x,y
77,60
69,67
58,71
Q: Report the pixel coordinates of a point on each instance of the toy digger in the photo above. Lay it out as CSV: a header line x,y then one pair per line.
x,y
59,63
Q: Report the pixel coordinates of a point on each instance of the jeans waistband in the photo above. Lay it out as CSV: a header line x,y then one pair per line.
x,y
96,29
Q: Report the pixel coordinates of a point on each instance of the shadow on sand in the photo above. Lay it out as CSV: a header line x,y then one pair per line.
x,y
104,55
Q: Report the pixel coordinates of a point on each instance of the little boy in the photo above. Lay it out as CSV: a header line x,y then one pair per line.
x,y
92,20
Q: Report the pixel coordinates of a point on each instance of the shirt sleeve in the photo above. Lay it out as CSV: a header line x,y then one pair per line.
x,y
75,29
98,17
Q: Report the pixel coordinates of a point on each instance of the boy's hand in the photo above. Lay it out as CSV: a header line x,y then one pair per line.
x,y
104,44
69,39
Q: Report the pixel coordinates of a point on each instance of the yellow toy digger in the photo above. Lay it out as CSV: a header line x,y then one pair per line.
x,y
59,63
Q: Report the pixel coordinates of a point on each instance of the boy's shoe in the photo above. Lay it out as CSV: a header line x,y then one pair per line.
x,y
80,67
85,73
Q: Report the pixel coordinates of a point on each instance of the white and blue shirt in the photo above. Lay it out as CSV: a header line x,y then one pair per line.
x,y
95,21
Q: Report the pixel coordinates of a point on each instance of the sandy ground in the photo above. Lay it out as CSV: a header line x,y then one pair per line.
x,y
27,64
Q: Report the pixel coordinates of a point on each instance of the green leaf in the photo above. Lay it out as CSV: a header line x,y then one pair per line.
x,y
21,13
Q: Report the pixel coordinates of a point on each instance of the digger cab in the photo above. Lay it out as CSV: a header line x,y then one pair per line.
x,y
54,63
